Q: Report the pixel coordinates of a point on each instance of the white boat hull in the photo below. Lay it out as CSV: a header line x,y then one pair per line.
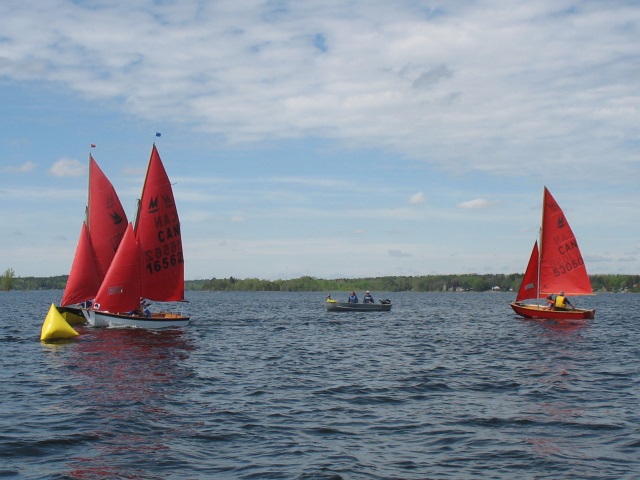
x,y
156,320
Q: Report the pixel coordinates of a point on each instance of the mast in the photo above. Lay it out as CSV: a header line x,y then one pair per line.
x,y
539,261
541,247
86,209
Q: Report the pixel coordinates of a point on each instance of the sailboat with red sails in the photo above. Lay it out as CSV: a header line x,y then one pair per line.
x,y
556,266
149,263
100,235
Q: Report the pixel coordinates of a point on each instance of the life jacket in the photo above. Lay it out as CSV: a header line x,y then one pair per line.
x,y
560,303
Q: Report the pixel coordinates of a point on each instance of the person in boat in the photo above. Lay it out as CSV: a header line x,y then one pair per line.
x,y
550,302
144,308
353,298
367,298
562,302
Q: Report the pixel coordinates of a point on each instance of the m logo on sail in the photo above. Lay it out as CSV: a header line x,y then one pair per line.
x,y
153,204
561,222
117,219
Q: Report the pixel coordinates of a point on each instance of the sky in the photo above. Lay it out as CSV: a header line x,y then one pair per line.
x,y
335,139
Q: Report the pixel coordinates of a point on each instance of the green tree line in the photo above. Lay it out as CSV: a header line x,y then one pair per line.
x,y
424,283
11,282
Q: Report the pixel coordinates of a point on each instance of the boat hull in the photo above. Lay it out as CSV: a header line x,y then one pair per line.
x,y
357,307
156,320
73,315
537,311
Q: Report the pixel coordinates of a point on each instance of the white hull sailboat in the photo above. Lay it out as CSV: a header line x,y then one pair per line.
x,y
149,263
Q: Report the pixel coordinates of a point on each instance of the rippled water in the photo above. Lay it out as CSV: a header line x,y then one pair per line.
x,y
269,385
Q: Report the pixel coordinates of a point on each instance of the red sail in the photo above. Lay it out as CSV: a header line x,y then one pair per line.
x,y
561,265
158,231
529,286
120,291
84,277
106,220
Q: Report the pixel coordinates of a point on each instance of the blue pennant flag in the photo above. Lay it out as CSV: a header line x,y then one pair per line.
x,y
158,134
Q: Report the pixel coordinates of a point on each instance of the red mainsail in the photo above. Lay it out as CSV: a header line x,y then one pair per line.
x,y
120,289
158,231
561,265
84,277
106,219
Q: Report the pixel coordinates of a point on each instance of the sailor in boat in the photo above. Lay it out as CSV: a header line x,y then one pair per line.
x,y
550,302
368,298
144,308
143,311
353,298
562,302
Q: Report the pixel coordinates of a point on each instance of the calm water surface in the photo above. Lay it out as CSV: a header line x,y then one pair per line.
x,y
269,385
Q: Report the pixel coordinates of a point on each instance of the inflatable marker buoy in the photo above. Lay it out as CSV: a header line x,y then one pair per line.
x,y
72,318
55,327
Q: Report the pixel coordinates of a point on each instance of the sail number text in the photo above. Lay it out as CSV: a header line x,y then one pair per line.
x,y
161,258
571,258
570,264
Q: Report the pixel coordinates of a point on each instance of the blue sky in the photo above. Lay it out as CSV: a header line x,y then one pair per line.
x,y
331,139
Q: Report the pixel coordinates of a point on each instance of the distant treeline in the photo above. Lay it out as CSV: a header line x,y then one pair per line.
x,y
424,283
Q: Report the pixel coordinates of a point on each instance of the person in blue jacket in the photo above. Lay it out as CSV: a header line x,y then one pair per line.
x,y
353,298
368,298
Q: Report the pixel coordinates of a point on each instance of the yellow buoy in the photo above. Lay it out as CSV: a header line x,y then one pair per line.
x,y
55,326
73,319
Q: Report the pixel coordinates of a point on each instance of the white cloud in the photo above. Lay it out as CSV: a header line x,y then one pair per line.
x,y
476,204
417,198
24,168
521,77
67,167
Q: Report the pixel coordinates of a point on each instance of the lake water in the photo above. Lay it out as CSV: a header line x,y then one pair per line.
x,y
270,386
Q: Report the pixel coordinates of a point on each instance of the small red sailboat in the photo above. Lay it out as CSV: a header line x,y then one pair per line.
x,y
557,266
149,263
